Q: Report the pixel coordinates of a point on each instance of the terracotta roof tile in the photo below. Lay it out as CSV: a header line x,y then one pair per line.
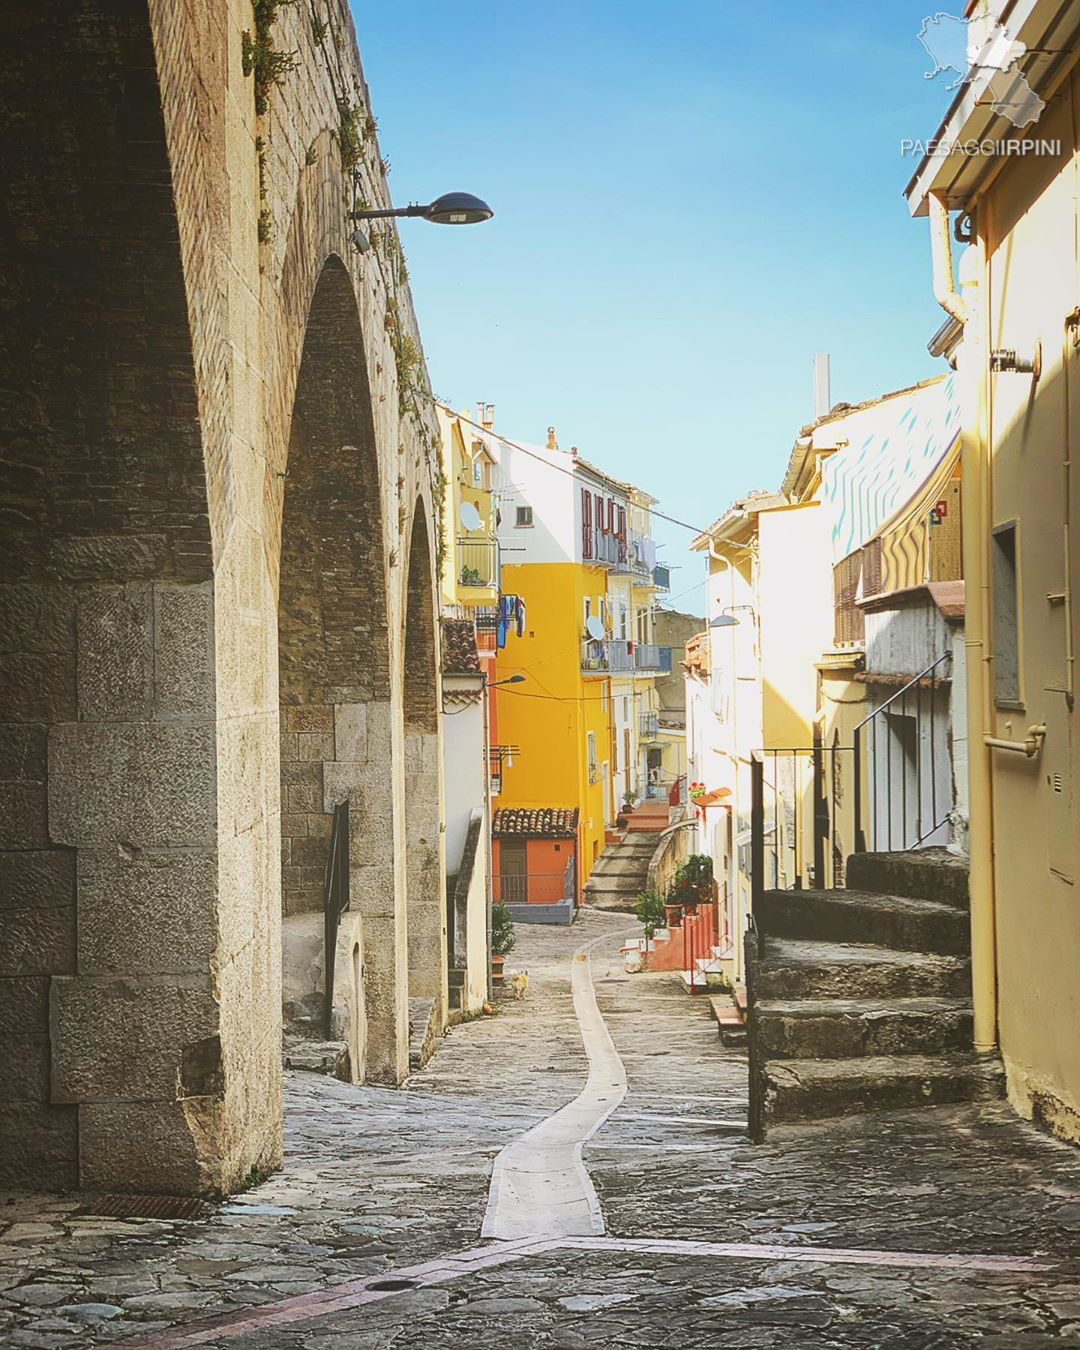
x,y
459,647
545,822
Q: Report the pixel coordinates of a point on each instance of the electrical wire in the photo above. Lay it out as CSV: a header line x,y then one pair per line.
x,y
524,449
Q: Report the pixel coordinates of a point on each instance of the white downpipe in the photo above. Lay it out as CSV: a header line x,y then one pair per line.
x,y
945,292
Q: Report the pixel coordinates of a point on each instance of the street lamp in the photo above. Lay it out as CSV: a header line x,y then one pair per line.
x,y
510,679
452,208
727,619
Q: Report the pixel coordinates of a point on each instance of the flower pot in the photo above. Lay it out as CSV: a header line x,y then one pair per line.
x,y
497,968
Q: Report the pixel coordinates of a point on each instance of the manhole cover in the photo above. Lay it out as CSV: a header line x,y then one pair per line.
x,y
144,1207
391,1285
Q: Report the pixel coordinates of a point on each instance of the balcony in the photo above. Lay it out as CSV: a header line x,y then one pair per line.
x,y
477,564
649,726
651,660
606,550
605,656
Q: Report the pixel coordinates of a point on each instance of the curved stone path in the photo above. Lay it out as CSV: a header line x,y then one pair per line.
x,y
539,1185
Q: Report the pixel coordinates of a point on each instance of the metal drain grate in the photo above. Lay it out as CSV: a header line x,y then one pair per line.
x,y
144,1207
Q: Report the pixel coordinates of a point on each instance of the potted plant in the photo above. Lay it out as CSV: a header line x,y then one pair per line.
x,y
651,913
502,939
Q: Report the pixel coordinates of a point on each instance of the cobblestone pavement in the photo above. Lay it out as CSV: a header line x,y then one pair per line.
x,y
381,1185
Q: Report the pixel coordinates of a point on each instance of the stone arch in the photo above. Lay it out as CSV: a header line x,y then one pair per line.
x,y
334,669
108,880
424,854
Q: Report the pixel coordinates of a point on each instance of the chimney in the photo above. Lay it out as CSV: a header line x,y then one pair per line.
x,y
552,444
573,452
822,385
487,421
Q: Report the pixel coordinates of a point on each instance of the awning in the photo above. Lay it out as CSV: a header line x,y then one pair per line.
x,y
898,448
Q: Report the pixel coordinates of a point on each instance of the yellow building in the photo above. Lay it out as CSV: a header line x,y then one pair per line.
x,y
470,574
1015,315
576,623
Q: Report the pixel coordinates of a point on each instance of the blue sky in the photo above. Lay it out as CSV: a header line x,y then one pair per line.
x,y
691,200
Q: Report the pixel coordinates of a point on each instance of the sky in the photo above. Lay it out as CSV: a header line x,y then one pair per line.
x,y
691,201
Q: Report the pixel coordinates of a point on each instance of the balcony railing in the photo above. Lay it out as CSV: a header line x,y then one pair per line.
x,y
605,656
648,659
477,563
650,725
537,888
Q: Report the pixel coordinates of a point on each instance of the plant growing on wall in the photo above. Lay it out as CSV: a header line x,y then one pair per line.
x,y
503,937
261,56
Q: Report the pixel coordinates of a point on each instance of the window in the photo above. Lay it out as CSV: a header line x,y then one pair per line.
x,y
588,611
603,696
1005,616
590,741
523,518
586,524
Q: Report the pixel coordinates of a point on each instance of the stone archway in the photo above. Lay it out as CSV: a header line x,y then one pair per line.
x,y
424,853
334,670
116,1040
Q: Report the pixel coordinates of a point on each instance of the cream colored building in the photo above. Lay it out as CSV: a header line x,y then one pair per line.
x,y
1018,309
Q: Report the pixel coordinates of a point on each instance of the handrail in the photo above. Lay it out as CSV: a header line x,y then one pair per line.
x,y
900,692
335,902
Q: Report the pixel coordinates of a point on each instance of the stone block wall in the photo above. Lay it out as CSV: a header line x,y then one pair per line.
x,y
152,372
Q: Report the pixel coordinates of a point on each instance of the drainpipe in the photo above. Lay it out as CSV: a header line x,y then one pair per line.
x,y
941,253
975,394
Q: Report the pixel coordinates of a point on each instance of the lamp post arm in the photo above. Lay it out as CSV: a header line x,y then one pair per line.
x,y
413,210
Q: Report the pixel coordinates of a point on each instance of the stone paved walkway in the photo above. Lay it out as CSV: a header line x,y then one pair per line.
x,y
381,1185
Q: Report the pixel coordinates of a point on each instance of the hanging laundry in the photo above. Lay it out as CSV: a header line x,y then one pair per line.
x,y
519,615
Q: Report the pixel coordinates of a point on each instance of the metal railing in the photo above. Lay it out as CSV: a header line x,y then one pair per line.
x,y
535,888
649,725
801,830
647,657
477,562
335,903
605,655
809,804
903,748
700,935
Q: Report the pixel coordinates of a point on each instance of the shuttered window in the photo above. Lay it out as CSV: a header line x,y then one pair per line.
x,y
586,523
849,624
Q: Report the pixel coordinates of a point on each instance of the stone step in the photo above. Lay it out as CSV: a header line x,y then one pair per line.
x,y
924,874
849,1028
800,969
865,917
613,884
421,1031
618,866
815,1089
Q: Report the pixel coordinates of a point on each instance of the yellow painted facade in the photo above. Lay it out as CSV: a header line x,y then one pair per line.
x,y
470,571
552,715
1020,290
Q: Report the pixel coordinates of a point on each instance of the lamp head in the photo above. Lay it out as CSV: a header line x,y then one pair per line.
x,y
724,621
457,208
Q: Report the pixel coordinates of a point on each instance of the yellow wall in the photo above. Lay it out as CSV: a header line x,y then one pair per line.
x,y
456,460
550,714
1031,285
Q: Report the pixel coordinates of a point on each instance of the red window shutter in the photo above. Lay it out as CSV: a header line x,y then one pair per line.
x,y
600,513
622,533
610,516
586,523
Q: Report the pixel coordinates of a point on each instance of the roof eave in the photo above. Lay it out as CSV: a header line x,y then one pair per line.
x,y
1049,29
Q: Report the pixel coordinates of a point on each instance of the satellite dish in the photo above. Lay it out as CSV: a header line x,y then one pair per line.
x,y
594,628
470,516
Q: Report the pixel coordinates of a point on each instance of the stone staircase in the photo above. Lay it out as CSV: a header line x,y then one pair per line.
x,y
860,999
621,872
